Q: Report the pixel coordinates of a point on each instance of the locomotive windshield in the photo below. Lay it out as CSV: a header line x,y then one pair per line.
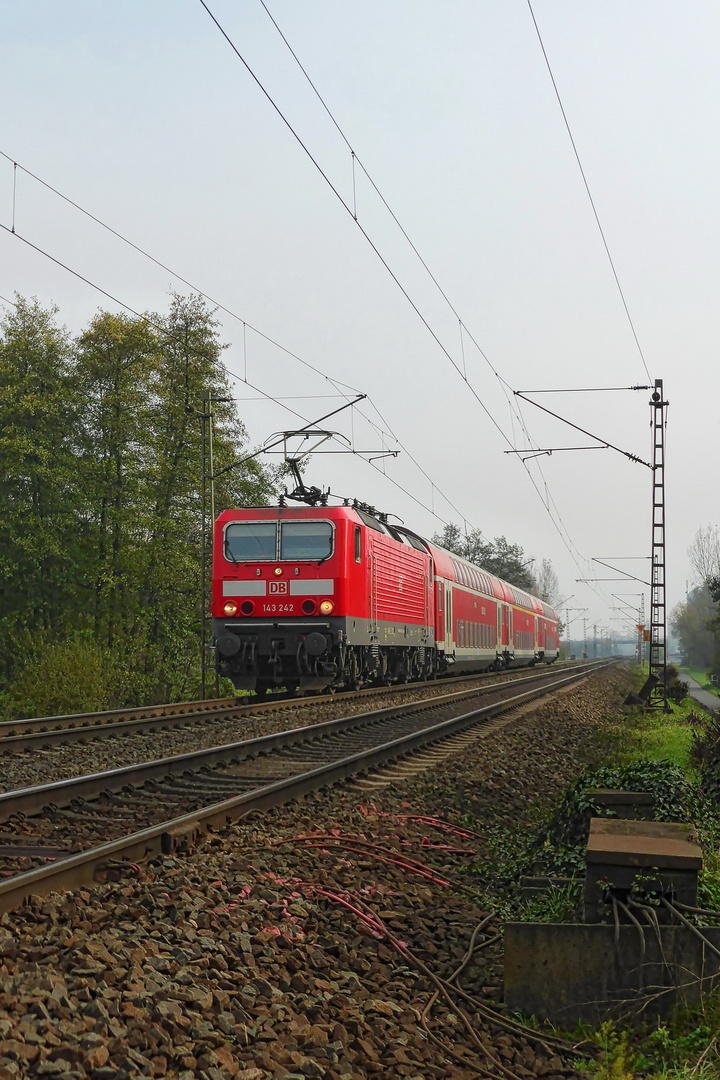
x,y
251,541
269,541
305,540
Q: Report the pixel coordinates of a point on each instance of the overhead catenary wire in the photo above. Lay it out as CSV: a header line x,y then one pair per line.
x,y
394,217
505,386
587,189
163,266
548,501
357,160
349,210
150,322
338,383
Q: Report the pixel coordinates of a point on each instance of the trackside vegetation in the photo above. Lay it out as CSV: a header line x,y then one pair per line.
x,y
100,512
676,757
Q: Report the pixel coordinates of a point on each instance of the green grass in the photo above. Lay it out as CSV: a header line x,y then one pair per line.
x,y
645,735
685,1048
637,743
701,677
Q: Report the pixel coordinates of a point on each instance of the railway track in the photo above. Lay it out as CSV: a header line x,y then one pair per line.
x,y
17,736
155,807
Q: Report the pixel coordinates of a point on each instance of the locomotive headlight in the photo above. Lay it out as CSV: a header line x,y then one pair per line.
x,y
327,607
278,570
230,608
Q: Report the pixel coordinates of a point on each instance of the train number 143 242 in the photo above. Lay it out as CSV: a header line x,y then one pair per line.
x,y
269,609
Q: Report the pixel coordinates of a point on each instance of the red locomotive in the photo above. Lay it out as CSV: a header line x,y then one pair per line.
x,y
314,597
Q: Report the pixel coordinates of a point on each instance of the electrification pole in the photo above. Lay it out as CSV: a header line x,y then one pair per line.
x,y
205,419
658,660
207,523
641,630
580,610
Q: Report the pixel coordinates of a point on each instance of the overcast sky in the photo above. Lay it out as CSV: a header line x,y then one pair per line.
x,y
143,115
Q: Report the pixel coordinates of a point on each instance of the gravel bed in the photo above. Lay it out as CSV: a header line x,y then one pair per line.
x,y
303,943
42,766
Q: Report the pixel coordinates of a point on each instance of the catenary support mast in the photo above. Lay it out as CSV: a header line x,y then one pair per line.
x,y
658,616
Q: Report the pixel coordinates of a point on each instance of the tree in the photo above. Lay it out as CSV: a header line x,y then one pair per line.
x,y
498,557
100,497
508,561
188,365
40,508
693,620
145,379
547,587
704,554
117,358
452,539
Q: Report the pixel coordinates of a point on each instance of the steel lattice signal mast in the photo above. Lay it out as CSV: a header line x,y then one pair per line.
x,y
658,654
641,629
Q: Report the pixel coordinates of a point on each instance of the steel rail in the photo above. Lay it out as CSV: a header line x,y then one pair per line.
x,y
73,733
189,711
59,793
80,720
169,836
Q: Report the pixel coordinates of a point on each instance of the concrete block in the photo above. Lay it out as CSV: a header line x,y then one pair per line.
x,y
630,805
572,971
656,856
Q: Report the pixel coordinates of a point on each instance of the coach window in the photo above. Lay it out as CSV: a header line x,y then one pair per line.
x,y
305,540
251,541
358,543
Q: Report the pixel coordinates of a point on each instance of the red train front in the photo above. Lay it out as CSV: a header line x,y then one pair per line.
x,y
313,596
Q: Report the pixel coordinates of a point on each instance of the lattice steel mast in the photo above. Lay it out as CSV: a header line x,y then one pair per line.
x,y
207,689
658,655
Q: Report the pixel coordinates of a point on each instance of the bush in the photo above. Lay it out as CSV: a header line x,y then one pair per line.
x,y
677,688
69,676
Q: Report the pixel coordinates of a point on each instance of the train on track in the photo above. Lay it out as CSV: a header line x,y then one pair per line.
x,y
318,597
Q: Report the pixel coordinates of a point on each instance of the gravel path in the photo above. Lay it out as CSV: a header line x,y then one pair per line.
x,y
40,766
306,943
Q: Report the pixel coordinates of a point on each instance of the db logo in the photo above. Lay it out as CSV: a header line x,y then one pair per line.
x,y
278,587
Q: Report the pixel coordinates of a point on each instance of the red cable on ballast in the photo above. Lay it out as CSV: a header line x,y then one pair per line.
x,y
393,862
338,838
370,920
435,822
321,840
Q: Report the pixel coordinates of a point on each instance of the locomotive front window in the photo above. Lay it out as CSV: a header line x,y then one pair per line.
x,y
251,541
306,540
